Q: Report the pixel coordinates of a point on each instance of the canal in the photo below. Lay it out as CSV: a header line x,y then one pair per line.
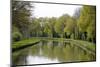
x,y
51,52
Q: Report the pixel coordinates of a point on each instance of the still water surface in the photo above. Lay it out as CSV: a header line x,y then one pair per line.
x,y
50,52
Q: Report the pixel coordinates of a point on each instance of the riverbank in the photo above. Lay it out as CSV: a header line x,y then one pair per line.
x,y
88,46
85,45
24,43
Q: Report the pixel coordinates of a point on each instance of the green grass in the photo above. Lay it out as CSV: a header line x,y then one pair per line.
x,y
19,44
53,39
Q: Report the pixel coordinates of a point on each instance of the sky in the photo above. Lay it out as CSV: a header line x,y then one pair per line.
x,y
89,2
53,10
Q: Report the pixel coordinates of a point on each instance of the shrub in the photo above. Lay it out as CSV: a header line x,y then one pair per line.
x,y
16,36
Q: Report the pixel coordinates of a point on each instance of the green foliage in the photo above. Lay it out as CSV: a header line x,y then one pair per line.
x,y
47,29
35,28
70,26
16,36
87,15
87,21
19,44
21,16
60,24
59,27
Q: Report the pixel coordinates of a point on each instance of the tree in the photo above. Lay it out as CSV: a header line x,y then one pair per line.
x,y
70,27
51,25
21,16
86,22
76,16
60,24
35,28
91,30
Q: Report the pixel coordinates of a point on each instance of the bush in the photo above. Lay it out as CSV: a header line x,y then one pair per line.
x,y
16,36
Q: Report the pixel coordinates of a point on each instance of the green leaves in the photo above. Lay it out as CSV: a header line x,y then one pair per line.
x,y
21,16
86,17
87,21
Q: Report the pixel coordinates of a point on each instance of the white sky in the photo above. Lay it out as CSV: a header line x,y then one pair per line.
x,y
53,10
89,2
49,10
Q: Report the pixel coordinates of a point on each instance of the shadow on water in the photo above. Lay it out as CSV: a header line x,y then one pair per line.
x,y
50,52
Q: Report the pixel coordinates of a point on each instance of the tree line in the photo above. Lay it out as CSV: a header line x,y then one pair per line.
x,y
82,25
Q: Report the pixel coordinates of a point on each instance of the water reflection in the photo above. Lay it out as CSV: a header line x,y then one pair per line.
x,y
51,52
39,60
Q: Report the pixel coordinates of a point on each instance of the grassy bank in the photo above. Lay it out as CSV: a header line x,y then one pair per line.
x,y
24,43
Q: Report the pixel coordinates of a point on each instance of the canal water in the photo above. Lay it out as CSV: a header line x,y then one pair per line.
x,y
51,52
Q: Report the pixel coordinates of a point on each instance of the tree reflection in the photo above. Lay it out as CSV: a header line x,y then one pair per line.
x,y
62,51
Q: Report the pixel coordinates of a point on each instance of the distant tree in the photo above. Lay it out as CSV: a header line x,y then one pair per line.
x,y
76,16
35,28
70,27
60,24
